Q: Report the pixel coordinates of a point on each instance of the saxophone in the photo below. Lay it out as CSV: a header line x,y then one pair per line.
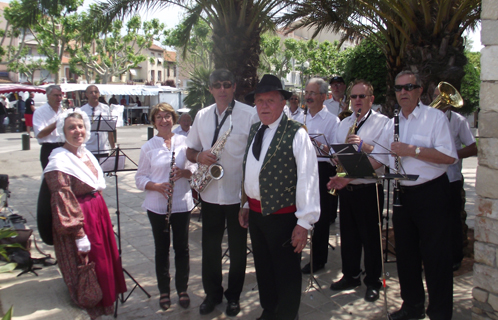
x,y
205,174
351,131
170,198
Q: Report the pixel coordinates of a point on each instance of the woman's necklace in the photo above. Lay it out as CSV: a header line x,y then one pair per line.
x,y
167,139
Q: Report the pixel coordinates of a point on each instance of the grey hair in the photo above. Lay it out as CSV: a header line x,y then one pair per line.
x,y
53,87
411,73
322,84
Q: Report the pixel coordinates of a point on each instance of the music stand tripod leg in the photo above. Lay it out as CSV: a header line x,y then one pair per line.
x,y
312,282
121,297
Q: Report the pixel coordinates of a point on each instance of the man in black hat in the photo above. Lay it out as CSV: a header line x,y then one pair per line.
x,y
337,103
279,160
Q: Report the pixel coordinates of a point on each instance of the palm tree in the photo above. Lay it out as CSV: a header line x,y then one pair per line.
x,y
236,25
422,35
198,95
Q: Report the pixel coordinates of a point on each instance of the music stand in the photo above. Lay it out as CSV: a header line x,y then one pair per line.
x,y
356,163
102,124
113,164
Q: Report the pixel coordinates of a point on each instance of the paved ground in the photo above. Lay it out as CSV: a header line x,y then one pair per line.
x,y
46,296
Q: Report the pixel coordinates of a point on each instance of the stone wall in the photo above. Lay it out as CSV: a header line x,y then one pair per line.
x,y
485,292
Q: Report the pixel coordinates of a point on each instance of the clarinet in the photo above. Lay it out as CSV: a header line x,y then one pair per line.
x,y
396,201
170,198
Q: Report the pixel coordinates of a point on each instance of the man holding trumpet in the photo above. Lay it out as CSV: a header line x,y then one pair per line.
x,y
421,224
359,219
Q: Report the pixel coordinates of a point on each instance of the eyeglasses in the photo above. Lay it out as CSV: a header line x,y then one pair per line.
x,y
226,85
294,99
166,117
311,93
407,87
361,96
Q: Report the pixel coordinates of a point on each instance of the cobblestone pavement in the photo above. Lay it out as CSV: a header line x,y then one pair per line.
x,y
46,296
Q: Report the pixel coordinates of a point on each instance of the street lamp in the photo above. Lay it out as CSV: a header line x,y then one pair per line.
x,y
304,67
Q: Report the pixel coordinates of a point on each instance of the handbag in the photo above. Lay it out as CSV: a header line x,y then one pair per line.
x,y
89,293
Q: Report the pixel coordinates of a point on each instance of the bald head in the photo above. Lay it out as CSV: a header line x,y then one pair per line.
x,y
185,121
92,94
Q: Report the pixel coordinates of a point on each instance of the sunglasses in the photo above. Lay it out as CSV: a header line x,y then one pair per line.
x,y
407,87
226,85
361,96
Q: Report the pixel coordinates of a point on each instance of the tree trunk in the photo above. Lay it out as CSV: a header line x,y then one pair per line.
x,y
237,48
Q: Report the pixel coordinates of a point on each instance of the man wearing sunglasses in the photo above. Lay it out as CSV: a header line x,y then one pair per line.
x,y
221,199
280,186
422,222
337,103
358,200
322,126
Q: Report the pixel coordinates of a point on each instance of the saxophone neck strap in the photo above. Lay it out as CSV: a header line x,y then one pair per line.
x,y
228,112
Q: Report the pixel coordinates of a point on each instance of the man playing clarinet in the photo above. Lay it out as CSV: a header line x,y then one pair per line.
x,y
421,224
358,201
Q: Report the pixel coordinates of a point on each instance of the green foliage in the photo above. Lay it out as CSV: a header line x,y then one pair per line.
x,y
366,61
197,49
198,95
276,56
471,83
113,53
50,27
7,233
9,314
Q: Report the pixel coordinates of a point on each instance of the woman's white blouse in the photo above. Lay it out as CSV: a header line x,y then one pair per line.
x,y
154,165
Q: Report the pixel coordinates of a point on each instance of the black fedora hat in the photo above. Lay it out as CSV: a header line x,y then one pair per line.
x,y
268,83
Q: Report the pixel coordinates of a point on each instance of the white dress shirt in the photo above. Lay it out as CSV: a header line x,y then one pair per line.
x,y
179,130
154,165
334,106
42,117
460,131
425,127
225,191
369,132
99,141
307,192
325,124
297,115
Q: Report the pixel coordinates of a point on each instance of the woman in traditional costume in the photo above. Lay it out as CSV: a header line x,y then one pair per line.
x,y
81,222
162,179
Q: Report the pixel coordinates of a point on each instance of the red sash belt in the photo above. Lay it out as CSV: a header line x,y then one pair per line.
x,y
255,205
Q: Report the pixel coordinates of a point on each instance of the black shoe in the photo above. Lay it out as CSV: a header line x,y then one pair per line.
x,y
316,267
372,294
345,283
233,308
404,314
207,306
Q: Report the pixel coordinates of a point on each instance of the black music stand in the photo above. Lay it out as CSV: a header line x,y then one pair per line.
x,y
113,164
102,124
356,163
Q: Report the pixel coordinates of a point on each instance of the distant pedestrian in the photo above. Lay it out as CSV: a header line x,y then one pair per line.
x,y
28,113
3,114
113,100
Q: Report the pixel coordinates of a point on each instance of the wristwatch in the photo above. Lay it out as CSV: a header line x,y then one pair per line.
x,y
417,152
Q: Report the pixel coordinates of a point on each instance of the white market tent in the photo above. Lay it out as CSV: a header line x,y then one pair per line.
x,y
118,89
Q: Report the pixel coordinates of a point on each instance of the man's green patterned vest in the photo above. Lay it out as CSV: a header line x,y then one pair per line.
x,y
278,175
